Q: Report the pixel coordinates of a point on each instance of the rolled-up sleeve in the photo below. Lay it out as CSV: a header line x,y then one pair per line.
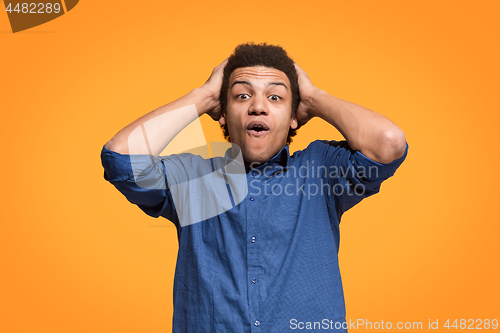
x,y
355,176
142,180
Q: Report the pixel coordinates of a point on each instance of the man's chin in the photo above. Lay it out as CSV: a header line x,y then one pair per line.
x,y
258,151
255,159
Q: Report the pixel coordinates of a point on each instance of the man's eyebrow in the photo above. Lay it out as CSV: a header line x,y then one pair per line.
x,y
270,83
241,82
278,84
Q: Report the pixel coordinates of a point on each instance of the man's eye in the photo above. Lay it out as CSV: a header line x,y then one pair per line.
x,y
242,96
275,97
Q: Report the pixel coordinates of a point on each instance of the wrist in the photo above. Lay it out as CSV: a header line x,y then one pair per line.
x,y
206,99
311,101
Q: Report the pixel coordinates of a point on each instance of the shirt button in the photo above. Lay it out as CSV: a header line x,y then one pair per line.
x,y
257,323
254,280
254,174
252,198
253,239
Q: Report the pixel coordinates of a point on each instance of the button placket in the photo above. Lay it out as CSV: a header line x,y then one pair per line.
x,y
253,248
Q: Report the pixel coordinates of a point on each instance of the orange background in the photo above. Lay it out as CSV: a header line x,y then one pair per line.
x,y
76,256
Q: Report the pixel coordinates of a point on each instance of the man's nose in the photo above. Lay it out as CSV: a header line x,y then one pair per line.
x,y
258,105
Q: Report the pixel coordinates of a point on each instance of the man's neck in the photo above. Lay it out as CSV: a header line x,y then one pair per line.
x,y
251,165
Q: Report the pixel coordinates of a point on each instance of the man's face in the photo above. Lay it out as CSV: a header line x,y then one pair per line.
x,y
258,112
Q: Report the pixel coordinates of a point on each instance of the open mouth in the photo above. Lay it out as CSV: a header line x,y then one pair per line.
x,y
257,128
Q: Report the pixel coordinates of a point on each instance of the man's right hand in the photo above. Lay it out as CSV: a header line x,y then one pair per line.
x,y
212,87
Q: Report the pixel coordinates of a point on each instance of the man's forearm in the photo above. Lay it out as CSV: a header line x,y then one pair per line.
x,y
374,135
151,133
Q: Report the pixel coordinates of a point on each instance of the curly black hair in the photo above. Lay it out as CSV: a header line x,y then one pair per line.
x,y
251,54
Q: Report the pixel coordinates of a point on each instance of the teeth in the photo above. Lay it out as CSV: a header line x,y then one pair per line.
x,y
258,128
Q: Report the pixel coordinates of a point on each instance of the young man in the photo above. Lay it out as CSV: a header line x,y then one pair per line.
x,y
257,246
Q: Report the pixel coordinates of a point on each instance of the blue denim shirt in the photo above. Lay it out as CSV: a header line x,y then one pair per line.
x,y
267,262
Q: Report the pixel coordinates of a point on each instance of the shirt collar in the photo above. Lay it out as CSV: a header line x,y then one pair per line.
x,y
279,162
281,158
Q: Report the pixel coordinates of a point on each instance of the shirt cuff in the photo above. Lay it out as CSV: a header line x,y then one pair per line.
x,y
118,167
375,170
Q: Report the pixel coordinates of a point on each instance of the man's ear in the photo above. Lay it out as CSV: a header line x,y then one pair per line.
x,y
294,123
222,119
